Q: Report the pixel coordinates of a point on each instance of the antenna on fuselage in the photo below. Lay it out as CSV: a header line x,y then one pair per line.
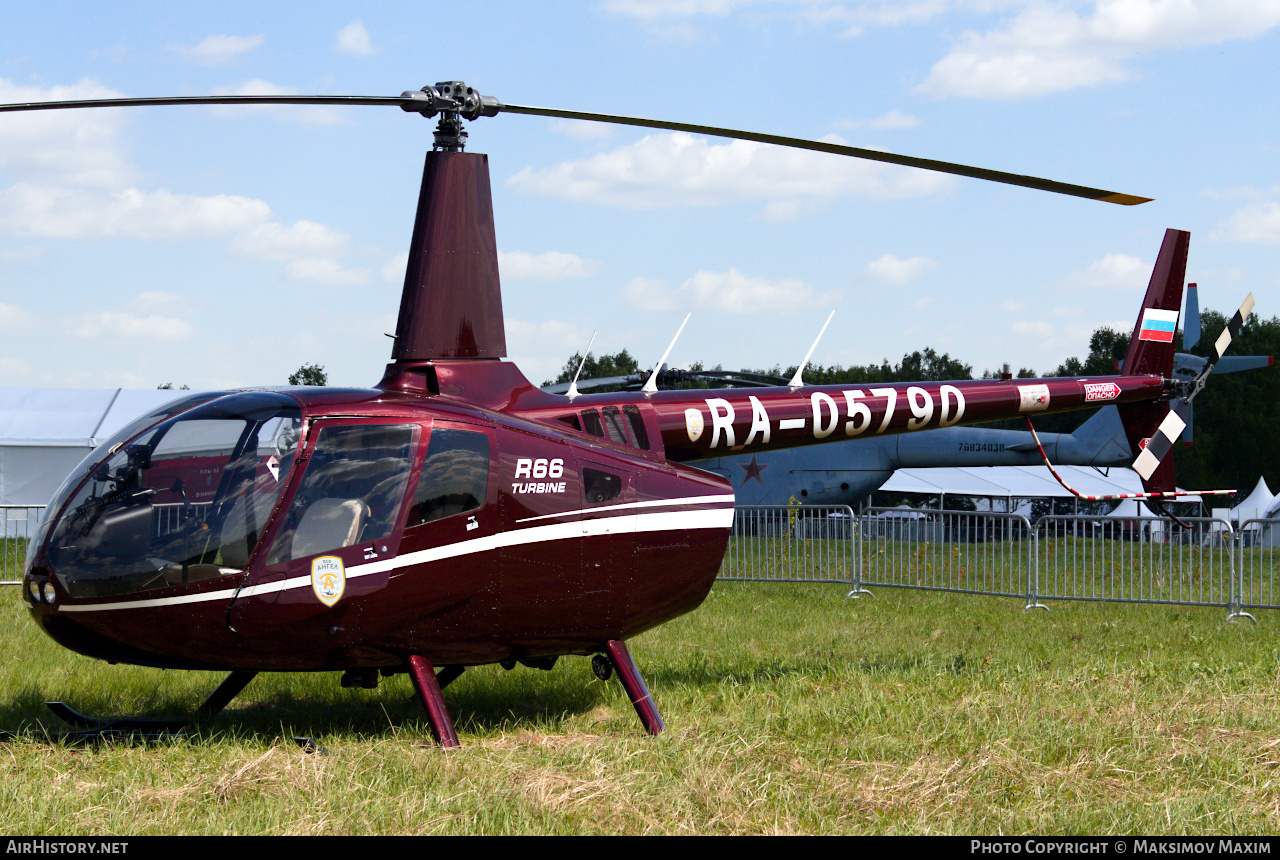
x,y
652,385
797,381
573,386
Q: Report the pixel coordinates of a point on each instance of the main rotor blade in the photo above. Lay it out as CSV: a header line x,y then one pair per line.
x,y
841,149
393,101
412,104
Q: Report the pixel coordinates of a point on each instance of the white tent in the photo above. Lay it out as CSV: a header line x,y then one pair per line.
x,y
1015,482
1131,509
1257,505
46,432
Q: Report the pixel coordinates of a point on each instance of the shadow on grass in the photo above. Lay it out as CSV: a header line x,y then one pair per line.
x,y
481,702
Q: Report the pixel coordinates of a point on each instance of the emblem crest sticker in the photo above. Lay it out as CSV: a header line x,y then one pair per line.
x,y
328,579
693,424
1033,398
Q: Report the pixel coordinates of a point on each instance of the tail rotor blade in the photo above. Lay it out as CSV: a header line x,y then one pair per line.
x,y
1221,345
1233,328
1159,445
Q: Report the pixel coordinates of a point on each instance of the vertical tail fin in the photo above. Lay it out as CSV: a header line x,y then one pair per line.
x,y
1151,351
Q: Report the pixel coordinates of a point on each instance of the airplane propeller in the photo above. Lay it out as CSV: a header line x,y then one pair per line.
x,y
454,102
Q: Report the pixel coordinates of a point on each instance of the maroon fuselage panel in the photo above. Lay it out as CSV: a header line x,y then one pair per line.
x,y
577,541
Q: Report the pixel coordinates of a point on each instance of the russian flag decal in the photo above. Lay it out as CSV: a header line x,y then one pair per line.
x,y
1158,325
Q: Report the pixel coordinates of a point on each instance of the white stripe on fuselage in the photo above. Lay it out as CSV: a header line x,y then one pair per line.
x,y
657,503
718,518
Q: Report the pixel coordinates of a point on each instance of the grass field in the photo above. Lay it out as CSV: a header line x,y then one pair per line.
x,y
789,709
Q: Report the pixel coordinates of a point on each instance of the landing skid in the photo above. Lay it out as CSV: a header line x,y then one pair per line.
x,y
635,686
92,729
428,684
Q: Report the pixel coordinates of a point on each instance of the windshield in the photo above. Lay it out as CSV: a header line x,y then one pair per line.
x,y
184,502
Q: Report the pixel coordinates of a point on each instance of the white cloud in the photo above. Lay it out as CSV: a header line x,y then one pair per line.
x,y
1114,271
1241,192
582,130
1033,328
680,169
650,9
1259,223
217,50
14,318
894,270
540,349
393,270
306,114
66,213
302,239
886,13
327,272
1049,47
310,250
551,266
891,120
353,39
21,255
123,325
13,370
730,291
649,294
780,210
80,147
157,301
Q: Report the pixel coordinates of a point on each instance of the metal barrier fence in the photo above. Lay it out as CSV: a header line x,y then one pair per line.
x,y
18,525
809,543
1141,560
974,553
1199,561
1258,563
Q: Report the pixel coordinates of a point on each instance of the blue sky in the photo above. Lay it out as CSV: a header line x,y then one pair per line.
x,y
215,247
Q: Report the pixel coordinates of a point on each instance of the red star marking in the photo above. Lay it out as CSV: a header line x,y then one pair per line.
x,y
753,470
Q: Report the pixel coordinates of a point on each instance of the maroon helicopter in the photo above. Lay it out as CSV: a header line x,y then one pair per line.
x,y
454,514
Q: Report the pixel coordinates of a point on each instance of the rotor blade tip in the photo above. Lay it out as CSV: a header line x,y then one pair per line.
x,y
1126,199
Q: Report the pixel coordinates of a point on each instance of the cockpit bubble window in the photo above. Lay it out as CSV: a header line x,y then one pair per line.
x,y
455,475
351,492
124,434
184,502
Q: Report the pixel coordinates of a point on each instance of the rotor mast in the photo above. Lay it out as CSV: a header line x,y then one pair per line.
x,y
451,306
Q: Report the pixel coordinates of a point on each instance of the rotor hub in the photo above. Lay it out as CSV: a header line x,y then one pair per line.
x,y
454,101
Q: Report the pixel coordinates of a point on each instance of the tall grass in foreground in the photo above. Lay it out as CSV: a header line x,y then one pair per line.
x,y
789,708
